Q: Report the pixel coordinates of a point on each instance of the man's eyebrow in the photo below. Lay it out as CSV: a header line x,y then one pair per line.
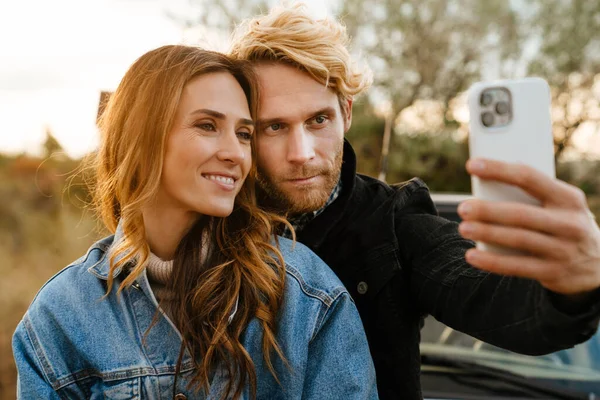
x,y
324,110
269,121
221,116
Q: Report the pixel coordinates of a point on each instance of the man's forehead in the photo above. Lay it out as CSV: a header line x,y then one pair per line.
x,y
277,79
298,106
287,91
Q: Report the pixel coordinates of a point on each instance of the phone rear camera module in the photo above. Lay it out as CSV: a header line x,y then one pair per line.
x,y
495,108
487,119
486,99
502,108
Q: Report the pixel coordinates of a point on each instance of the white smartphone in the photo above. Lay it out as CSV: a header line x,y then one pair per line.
x,y
510,121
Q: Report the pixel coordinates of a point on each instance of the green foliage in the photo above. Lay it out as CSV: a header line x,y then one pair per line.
x,y
221,16
366,135
583,173
438,159
571,37
568,59
430,49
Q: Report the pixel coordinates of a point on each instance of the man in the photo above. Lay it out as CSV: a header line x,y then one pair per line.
x,y
399,260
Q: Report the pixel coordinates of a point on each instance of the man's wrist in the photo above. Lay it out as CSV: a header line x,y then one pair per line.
x,y
574,303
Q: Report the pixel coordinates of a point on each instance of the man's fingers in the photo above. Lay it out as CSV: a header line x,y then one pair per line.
x,y
564,223
544,188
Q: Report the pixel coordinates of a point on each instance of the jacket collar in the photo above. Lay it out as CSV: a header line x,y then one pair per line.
x,y
101,269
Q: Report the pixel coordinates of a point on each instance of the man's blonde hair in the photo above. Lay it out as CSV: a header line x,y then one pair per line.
x,y
288,34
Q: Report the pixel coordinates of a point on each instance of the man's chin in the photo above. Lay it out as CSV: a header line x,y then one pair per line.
x,y
290,202
305,202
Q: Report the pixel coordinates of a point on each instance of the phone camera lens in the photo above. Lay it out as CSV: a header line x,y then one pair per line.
x,y
486,99
502,107
487,119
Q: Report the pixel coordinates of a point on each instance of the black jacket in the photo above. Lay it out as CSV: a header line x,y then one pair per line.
x,y
400,262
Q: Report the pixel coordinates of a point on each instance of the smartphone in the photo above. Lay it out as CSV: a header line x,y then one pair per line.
x,y
510,121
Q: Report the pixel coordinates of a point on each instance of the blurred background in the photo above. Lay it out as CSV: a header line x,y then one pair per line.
x,y
57,57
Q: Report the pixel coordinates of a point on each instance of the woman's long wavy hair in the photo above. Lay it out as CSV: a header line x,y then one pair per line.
x,y
244,268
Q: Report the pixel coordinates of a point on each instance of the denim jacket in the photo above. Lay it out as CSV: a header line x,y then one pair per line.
x,y
72,343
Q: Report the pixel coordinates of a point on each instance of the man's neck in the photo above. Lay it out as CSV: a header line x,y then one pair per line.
x,y
301,220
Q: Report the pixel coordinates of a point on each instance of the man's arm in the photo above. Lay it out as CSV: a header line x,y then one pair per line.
x,y
514,313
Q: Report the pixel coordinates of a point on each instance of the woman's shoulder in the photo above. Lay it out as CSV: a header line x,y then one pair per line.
x,y
73,283
312,274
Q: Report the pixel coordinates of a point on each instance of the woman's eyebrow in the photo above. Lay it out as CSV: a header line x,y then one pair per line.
x,y
246,121
221,116
210,112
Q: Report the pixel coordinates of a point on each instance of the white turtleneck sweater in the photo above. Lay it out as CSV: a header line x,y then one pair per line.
x,y
159,272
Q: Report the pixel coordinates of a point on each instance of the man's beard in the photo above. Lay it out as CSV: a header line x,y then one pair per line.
x,y
303,200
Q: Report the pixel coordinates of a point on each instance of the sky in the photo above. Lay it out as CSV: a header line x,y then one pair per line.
x,y
57,56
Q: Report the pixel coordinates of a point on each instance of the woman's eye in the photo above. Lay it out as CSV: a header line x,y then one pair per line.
x,y
207,127
245,136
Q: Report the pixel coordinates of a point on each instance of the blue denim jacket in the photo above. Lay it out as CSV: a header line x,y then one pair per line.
x,y
72,344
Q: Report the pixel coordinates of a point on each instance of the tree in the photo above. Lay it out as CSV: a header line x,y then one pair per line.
x,y
219,17
366,134
430,49
51,146
568,32
437,158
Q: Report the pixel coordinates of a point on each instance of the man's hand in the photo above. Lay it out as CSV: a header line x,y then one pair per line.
x,y
561,236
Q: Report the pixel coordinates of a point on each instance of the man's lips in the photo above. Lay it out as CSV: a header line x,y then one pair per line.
x,y
307,179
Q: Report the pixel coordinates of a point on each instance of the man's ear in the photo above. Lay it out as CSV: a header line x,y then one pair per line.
x,y
347,115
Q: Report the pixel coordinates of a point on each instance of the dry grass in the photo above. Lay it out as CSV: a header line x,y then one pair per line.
x,y
25,271
41,232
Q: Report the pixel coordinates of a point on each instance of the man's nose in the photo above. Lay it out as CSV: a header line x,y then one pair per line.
x,y
230,148
300,146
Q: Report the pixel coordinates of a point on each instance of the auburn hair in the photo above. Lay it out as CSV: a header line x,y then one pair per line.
x,y
244,268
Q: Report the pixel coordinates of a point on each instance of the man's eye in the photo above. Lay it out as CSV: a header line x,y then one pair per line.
x,y
321,119
275,127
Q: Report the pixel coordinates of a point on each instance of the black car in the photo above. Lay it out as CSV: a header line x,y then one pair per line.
x,y
457,366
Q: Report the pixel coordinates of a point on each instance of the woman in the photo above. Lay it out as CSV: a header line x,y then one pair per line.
x,y
232,312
